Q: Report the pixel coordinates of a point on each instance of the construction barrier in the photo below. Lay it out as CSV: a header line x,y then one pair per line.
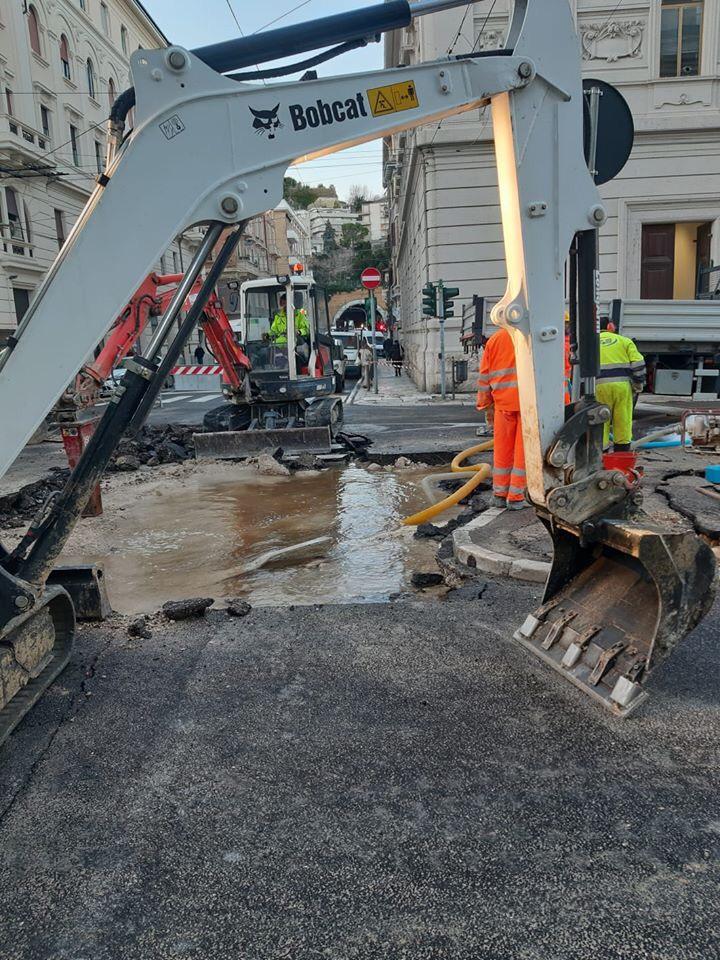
x,y
197,377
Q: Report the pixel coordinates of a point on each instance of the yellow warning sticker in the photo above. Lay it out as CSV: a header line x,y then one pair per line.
x,y
392,99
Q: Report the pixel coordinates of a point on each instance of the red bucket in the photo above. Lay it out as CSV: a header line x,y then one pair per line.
x,y
624,460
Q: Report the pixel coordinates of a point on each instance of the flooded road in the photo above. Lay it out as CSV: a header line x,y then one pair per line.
x,y
212,538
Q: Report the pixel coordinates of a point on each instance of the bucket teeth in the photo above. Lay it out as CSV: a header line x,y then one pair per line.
x,y
615,611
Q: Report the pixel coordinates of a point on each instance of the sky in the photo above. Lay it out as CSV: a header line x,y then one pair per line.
x,y
195,24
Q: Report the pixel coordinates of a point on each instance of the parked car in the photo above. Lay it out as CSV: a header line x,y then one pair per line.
x,y
114,379
349,340
339,364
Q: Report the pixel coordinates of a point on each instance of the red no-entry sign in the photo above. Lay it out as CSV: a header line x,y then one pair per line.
x,y
370,278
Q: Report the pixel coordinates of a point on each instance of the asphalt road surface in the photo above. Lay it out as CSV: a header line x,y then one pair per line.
x,y
412,429
388,781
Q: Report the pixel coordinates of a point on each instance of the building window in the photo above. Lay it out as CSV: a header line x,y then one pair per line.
x,y
65,57
14,222
28,227
59,227
90,70
175,262
680,38
22,302
34,31
99,159
105,19
9,101
74,145
124,40
675,258
45,121
163,265
83,5
111,92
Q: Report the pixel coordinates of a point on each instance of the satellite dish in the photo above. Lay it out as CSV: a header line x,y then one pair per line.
x,y
616,130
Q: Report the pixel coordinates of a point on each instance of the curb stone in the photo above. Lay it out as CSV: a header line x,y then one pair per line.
x,y
490,561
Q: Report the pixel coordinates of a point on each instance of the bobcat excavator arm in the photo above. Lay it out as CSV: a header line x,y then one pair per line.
x,y
206,149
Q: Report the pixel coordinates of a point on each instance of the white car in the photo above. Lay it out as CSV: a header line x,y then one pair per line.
x,y
349,341
114,379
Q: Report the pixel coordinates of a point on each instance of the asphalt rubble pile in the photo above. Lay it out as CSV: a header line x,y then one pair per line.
x,y
152,447
22,505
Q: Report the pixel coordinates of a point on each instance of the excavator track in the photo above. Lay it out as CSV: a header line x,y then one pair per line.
x,y
35,648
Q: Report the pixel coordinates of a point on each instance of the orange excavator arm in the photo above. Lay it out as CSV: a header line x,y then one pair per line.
x,y
150,300
224,347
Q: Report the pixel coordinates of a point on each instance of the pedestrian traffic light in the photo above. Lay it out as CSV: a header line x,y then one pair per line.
x,y
448,295
429,300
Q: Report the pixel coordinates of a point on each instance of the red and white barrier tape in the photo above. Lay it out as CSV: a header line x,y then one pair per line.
x,y
206,370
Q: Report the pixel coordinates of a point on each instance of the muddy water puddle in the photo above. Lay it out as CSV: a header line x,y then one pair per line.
x,y
205,537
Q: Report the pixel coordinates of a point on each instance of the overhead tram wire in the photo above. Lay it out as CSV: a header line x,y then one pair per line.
x,y
282,16
242,34
473,50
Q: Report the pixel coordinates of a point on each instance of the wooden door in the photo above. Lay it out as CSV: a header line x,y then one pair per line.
x,y
657,266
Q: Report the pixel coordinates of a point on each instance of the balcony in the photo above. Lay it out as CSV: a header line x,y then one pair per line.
x,y
24,145
13,240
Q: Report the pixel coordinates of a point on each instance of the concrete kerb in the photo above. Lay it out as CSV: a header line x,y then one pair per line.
x,y
490,561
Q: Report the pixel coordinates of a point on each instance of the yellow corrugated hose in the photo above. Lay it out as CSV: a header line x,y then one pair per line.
x,y
480,472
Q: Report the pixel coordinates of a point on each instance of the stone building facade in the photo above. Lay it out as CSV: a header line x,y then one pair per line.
x,y
662,228
62,63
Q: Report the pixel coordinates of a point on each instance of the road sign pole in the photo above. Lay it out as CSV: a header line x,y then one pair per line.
x,y
370,279
373,312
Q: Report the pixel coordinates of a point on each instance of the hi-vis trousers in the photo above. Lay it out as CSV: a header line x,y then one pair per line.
x,y
619,397
509,457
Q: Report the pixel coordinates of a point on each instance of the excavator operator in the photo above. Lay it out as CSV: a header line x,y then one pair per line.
x,y
278,328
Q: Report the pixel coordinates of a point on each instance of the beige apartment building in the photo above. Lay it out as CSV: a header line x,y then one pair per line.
x,y
374,217
62,63
663,208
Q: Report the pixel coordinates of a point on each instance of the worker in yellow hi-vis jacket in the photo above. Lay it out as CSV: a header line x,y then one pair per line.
x,y
622,374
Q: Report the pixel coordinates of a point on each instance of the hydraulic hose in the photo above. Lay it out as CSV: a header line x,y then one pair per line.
x,y
656,437
479,471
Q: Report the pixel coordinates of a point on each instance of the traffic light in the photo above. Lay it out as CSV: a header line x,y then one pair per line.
x,y
368,310
448,295
429,300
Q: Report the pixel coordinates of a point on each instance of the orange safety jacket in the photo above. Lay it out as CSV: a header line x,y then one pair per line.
x,y
498,375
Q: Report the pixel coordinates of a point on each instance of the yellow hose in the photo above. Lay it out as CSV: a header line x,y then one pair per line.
x,y
480,472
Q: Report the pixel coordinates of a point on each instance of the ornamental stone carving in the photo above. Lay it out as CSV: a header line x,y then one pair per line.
x,y
491,40
613,40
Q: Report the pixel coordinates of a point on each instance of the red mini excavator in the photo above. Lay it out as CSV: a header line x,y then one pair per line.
x,y
151,300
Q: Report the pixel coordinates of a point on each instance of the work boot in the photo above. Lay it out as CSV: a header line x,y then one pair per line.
x,y
517,504
500,502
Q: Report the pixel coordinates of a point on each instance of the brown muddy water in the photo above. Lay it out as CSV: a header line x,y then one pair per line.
x,y
211,537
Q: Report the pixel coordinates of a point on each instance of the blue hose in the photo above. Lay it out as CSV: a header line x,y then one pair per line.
x,y
655,444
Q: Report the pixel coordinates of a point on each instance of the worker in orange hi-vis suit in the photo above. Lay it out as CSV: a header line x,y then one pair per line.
x,y
498,396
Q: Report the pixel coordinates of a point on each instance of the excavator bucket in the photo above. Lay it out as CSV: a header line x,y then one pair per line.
x,y
238,444
615,609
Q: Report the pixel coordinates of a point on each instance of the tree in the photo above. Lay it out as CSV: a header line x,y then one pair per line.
x,y
353,234
357,196
300,195
371,255
329,238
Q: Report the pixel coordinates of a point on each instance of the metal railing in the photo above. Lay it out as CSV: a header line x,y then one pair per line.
x,y
708,283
